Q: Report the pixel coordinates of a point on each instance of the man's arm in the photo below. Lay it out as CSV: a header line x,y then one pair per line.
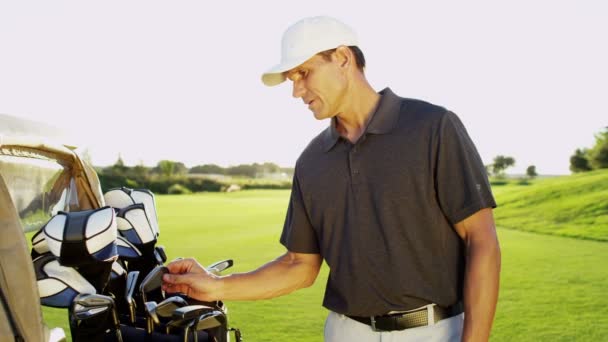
x,y
287,273
481,275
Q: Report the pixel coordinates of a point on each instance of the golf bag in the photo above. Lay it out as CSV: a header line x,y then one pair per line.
x,y
103,265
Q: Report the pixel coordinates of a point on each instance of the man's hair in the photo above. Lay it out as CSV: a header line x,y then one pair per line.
x,y
359,58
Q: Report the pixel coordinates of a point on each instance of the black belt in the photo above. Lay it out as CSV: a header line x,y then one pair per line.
x,y
410,319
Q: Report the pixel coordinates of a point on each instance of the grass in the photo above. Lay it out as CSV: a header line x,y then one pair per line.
x,y
552,288
575,206
244,226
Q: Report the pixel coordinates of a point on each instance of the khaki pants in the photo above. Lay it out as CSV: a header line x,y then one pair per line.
x,y
339,328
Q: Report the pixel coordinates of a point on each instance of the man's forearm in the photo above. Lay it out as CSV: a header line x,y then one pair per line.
x,y
480,288
276,278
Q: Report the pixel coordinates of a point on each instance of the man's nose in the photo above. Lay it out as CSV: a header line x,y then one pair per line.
x,y
298,89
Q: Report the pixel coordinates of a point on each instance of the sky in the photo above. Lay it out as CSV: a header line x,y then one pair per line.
x,y
180,80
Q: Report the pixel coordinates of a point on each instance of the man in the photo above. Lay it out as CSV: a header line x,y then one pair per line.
x,y
392,195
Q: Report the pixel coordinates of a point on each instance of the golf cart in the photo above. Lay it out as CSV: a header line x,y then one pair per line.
x,y
93,254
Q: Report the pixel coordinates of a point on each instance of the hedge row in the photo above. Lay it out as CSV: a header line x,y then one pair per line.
x,y
183,184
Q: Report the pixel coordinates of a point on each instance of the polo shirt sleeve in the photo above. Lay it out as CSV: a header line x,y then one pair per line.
x,y
298,234
461,179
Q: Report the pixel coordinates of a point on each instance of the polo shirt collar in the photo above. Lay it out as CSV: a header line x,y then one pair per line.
x,y
383,120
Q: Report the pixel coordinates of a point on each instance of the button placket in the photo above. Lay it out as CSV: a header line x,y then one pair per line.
x,y
355,167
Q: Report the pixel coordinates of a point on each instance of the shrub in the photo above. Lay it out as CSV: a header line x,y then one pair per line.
x,y
178,189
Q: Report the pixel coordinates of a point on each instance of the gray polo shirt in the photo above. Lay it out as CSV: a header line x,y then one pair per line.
x,y
381,211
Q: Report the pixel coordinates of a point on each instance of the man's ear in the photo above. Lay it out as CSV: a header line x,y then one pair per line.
x,y
344,56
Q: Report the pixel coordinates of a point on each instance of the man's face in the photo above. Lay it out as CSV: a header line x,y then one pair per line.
x,y
320,83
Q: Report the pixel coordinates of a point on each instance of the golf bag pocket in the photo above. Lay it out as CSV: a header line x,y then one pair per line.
x,y
58,285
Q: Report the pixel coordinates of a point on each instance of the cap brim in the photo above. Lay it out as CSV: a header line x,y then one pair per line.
x,y
276,74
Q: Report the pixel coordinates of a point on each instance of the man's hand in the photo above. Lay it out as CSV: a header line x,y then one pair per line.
x,y
187,276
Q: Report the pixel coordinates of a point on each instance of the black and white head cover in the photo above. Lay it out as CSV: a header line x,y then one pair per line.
x,y
39,245
126,250
85,240
58,285
82,237
134,225
137,223
121,198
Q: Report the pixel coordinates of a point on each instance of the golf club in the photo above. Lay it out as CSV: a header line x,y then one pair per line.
x,y
219,266
130,288
185,317
152,281
151,317
210,320
169,305
183,324
163,309
87,306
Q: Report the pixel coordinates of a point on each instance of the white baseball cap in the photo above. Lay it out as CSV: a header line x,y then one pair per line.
x,y
305,39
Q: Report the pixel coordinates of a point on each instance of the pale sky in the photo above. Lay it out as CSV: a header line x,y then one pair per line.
x,y
180,80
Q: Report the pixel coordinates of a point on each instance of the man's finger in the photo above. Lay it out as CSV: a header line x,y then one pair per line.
x,y
176,288
175,279
180,265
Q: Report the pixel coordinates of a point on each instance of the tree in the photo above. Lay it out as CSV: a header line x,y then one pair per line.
x,y
118,169
208,169
140,171
579,162
598,155
169,168
166,167
531,172
242,170
501,163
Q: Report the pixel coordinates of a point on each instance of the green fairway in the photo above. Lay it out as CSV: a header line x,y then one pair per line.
x,y
552,287
575,206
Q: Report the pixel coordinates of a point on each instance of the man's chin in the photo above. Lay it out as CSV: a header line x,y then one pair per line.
x,y
319,116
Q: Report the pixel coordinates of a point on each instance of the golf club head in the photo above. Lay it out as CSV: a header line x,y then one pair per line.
x,y
169,305
182,324
153,280
211,320
219,266
130,289
86,306
131,281
151,311
190,312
